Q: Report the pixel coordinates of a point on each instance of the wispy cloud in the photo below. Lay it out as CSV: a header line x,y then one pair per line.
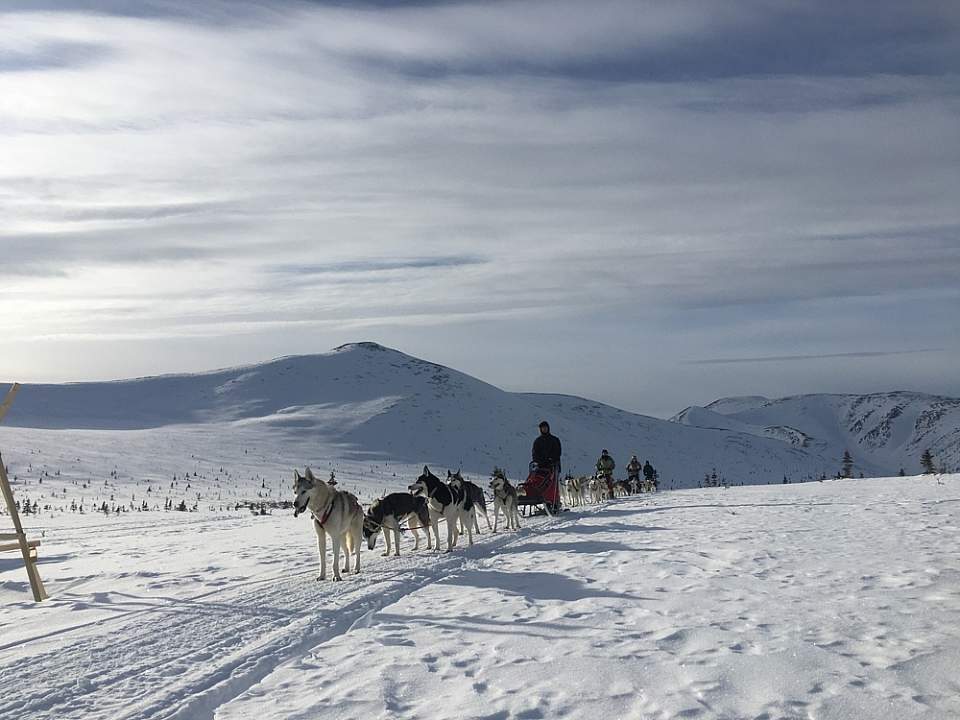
x,y
51,55
739,178
377,266
820,356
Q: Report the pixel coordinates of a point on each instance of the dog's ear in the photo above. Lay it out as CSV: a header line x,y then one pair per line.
x,y
308,474
296,475
449,474
426,470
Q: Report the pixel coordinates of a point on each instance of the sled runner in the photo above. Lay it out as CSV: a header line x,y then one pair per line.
x,y
542,487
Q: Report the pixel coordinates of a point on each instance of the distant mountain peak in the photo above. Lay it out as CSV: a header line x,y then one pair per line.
x,y
363,345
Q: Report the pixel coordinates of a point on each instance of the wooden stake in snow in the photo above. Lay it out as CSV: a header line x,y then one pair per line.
x,y
27,548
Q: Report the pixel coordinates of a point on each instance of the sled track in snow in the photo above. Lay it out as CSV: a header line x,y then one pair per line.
x,y
182,659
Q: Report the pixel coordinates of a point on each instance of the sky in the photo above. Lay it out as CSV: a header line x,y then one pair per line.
x,y
652,204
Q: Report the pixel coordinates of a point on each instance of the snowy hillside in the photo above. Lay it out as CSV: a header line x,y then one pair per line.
x,y
883,431
361,404
813,600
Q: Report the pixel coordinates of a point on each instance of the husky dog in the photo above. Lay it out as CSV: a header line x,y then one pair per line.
x,y
505,497
572,492
444,502
479,500
467,509
388,512
335,512
584,488
475,493
599,491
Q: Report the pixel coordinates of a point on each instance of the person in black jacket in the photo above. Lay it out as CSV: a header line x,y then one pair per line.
x,y
546,448
648,471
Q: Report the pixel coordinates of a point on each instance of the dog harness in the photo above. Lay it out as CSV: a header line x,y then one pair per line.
x,y
326,515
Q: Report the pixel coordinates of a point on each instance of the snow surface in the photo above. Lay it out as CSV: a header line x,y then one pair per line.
x,y
833,600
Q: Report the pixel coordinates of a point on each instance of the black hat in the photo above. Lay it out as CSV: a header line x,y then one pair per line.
x,y
544,423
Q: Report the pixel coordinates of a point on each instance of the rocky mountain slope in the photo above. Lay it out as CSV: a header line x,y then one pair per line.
x,y
882,431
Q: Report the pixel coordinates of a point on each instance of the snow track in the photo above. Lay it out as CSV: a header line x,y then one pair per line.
x,y
167,658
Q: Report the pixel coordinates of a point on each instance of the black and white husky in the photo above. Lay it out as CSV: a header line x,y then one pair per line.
x,y
335,512
388,512
444,501
504,498
475,493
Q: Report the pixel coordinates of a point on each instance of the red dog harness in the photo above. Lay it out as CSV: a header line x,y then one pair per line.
x,y
326,516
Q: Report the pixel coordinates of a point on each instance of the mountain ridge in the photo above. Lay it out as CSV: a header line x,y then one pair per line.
x,y
377,402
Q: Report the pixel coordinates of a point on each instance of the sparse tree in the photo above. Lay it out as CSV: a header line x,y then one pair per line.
x,y
926,462
847,464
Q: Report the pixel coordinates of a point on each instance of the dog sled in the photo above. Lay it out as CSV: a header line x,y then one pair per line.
x,y
542,487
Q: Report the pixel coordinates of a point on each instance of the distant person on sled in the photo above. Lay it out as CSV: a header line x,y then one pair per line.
x,y
633,473
650,475
605,467
542,485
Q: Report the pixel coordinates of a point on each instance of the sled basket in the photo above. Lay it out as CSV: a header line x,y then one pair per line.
x,y
542,487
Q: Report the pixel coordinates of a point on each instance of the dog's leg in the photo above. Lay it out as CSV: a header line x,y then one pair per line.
x,y
357,535
321,549
435,523
427,529
386,538
496,513
346,541
396,537
458,521
336,557
452,518
471,516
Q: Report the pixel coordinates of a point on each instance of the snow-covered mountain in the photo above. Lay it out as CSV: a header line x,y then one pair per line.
x,y
882,431
374,403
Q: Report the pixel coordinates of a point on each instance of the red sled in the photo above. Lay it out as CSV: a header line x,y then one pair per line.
x,y
542,487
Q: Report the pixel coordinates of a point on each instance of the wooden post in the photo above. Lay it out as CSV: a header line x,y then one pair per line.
x,y
8,400
28,548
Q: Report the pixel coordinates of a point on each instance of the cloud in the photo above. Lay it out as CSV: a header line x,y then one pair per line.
x,y
51,55
378,266
677,173
820,356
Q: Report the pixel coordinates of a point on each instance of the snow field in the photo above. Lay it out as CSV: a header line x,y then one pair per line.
x,y
168,614
826,600
835,600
